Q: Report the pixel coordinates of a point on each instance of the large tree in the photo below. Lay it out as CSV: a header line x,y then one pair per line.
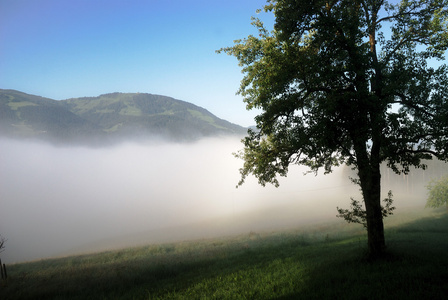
x,y
346,82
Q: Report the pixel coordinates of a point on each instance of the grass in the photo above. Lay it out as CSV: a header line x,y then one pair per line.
x,y
323,262
17,105
130,110
208,119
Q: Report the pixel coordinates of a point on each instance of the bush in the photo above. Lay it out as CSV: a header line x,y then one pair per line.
x,y
438,193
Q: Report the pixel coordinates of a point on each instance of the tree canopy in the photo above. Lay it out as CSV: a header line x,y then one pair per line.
x,y
346,82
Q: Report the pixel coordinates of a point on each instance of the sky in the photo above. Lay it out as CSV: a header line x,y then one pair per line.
x,y
64,49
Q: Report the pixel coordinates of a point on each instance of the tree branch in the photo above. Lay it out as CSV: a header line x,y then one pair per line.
x,y
428,151
411,12
405,102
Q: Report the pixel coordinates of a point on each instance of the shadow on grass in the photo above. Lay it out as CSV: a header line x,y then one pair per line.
x,y
138,273
293,265
415,266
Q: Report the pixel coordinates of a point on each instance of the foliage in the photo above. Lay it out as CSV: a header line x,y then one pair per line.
x,y
356,213
346,82
438,192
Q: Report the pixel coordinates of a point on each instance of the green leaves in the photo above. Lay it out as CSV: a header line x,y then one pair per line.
x,y
325,84
438,192
346,82
357,214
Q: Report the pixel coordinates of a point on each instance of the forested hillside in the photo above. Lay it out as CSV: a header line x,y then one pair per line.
x,y
107,118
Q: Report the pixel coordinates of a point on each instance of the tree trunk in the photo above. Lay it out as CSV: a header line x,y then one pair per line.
x,y
375,228
371,191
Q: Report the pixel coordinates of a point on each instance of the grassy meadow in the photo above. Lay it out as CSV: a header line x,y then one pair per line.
x,y
322,261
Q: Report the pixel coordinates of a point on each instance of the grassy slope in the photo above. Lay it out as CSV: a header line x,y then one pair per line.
x,y
24,115
324,262
147,110
110,115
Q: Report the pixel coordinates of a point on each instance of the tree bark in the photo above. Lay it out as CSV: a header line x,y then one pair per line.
x,y
370,179
375,227
369,173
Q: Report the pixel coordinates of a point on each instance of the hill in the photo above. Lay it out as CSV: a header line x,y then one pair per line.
x,y
107,118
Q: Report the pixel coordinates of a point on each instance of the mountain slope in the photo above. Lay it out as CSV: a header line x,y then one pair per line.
x,y
24,115
108,117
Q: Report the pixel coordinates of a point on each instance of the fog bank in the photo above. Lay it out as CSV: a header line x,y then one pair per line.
x,y
59,200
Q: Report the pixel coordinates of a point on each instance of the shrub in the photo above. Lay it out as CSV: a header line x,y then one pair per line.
x,y
438,193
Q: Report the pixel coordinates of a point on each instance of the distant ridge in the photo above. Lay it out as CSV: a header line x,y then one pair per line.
x,y
107,118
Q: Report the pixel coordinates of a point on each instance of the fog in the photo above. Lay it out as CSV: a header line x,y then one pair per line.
x,y
57,201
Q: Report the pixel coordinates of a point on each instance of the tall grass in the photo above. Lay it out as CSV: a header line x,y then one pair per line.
x,y
322,262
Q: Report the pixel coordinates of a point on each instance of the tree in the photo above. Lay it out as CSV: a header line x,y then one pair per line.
x,y
438,193
346,82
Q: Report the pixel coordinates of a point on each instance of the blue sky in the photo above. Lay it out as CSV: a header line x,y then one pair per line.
x,y
73,48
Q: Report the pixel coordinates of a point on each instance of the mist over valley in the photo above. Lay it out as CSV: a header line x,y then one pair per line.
x,y
60,200
124,169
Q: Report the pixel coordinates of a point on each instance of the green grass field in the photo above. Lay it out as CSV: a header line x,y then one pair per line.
x,y
325,261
